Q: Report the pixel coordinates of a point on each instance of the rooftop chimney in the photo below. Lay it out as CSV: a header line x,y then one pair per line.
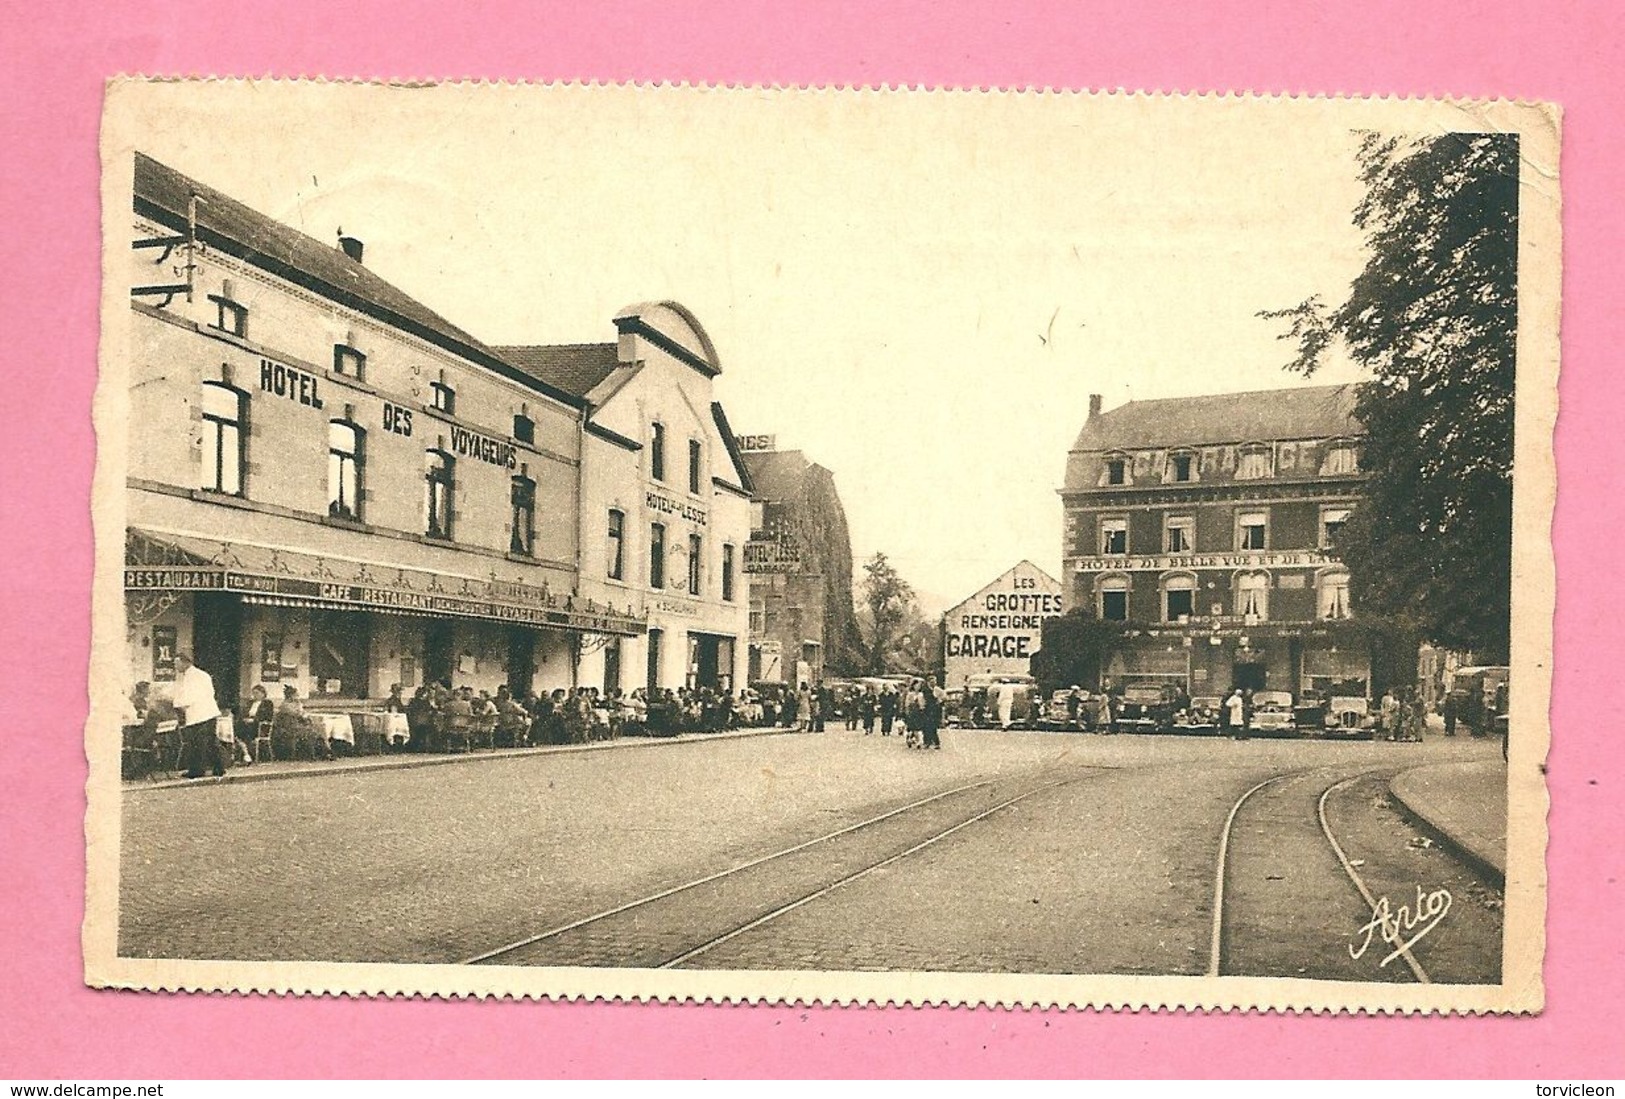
x,y
351,245
1094,402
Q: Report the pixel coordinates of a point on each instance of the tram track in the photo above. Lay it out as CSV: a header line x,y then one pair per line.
x,y
1229,939
671,926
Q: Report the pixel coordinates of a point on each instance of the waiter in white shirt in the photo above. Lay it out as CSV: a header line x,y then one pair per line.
x,y
194,698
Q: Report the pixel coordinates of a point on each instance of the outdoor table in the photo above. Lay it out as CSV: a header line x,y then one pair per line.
x,y
396,729
334,727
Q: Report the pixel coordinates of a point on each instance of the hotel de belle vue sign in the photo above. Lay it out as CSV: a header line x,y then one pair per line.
x,y
1162,562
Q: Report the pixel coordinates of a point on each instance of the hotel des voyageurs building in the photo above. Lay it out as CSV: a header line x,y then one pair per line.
x,y
1205,524
331,486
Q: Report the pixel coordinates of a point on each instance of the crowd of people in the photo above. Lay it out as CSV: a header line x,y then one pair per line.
x,y
184,730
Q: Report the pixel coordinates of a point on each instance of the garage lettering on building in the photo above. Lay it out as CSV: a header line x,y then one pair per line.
x,y
1008,646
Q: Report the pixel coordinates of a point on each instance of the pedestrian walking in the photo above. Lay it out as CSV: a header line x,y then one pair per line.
x,y
888,709
931,713
866,710
1235,714
1450,713
200,714
1390,715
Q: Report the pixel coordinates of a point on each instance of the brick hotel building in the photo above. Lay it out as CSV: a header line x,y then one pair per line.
x,y
1205,524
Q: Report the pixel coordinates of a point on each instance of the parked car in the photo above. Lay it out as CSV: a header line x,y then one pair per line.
x,y
1200,717
1309,714
1272,713
1143,708
1059,713
1350,717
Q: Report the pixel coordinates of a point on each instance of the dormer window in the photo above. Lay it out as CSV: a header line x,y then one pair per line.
x,y
1181,468
444,398
1254,463
1341,458
230,317
349,362
1117,470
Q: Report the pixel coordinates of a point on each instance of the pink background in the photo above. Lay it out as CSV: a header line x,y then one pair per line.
x,y
55,59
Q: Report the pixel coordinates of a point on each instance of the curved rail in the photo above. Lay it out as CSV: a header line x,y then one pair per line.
x,y
1354,875
1215,944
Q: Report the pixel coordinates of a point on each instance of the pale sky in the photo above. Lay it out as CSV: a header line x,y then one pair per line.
x,y
876,270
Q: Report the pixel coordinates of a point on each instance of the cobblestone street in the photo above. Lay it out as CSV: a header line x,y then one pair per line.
x,y
1089,869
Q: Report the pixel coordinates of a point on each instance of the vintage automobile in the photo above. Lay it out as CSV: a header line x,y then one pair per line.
x,y
1272,713
1350,717
1309,714
1199,717
1143,708
1002,701
1060,713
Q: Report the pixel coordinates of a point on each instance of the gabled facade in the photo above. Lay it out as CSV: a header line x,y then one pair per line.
x,y
999,629
665,500
1208,524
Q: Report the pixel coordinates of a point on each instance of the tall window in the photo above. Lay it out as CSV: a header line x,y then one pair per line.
x,y
1332,598
1117,471
524,429
1114,598
1252,530
1181,468
728,573
1179,534
1254,463
230,316
657,451
523,538
657,555
1331,525
695,575
1341,458
1114,536
694,465
1178,598
343,470
1253,595
349,362
441,472
617,544
612,666
444,397
222,439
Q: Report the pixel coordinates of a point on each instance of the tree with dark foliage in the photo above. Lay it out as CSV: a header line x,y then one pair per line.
x,y
1073,648
884,618
1434,318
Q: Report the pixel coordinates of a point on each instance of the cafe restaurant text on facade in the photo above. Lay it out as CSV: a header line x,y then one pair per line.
x,y
1206,524
333,487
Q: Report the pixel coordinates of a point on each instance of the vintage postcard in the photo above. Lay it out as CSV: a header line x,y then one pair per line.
x,y
824,546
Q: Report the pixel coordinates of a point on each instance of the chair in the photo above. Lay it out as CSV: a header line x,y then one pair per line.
x,y
485,730
459,732
263,751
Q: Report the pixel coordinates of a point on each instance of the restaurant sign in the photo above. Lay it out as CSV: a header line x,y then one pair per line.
x,y
537,611
1162,562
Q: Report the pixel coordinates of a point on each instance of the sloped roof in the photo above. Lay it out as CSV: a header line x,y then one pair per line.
x,y
778,474
576,368
1306,412
162,194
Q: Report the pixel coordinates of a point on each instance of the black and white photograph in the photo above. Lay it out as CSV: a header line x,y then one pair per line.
x,y
823,545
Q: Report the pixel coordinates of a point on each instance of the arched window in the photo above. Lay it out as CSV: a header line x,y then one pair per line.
x,y
1118,470
1342,457
222,439
1253,596
1253,463
1332,595
1181,469
343,470
522,540
442,467
1112,593
1178,596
